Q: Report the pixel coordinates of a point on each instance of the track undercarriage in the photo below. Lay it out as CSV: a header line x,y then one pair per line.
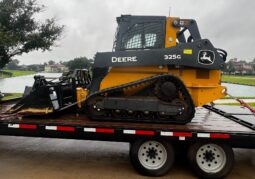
x,y
163,99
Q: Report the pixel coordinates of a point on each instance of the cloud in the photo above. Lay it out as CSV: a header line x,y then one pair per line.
x,y
90,24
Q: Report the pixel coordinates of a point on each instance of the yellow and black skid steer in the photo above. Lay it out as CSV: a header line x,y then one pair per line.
x,y
160,69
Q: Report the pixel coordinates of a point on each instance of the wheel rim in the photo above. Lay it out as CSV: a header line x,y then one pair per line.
x,y
211,158
152,155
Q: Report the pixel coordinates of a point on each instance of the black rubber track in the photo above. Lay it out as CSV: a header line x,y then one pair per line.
x,y
187,117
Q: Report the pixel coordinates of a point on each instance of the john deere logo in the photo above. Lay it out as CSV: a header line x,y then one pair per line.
x,y
206,57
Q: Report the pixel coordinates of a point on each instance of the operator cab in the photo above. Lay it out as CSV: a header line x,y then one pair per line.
x,y
150,32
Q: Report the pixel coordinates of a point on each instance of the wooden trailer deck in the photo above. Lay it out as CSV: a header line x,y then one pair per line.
x,y
204,120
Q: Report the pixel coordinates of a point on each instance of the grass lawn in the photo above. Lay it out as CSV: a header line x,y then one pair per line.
x,y
11,96
243,80
20,73
240,97
237,104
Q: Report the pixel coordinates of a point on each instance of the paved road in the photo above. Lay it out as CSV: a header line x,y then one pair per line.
x,y
25,158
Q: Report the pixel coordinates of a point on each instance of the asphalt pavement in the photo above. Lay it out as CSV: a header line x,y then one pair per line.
x,y
36,158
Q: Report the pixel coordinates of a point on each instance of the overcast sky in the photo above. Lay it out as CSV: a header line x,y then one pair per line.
x,y
90,24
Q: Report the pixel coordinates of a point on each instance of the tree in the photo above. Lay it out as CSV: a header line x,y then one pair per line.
x,y
253,65
21,33
13,65
79,63
230,67
51,62
35,67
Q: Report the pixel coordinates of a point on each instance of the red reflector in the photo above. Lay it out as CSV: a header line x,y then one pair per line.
x,y
182,134
27,126
221,136
65,128
142,132
103,130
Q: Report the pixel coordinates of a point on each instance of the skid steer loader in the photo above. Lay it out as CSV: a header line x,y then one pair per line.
x,y
160,69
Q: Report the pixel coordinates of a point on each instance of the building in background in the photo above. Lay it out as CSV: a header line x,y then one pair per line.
x,y
234,66
243,68
55,68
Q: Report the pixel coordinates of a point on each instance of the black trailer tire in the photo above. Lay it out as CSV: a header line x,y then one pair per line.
x,y
152,157
211,160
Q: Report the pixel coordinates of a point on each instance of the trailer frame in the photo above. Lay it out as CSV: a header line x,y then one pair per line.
x,y
211,126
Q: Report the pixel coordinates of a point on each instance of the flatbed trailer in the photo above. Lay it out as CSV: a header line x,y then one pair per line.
x,y
209,138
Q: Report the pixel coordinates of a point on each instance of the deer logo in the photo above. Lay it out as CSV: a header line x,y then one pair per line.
x,y
206,57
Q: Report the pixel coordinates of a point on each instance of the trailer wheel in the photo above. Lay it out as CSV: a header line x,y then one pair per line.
x,y
152,157
211,160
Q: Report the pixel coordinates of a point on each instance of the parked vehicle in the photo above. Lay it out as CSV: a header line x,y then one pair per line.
x,y
155,74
